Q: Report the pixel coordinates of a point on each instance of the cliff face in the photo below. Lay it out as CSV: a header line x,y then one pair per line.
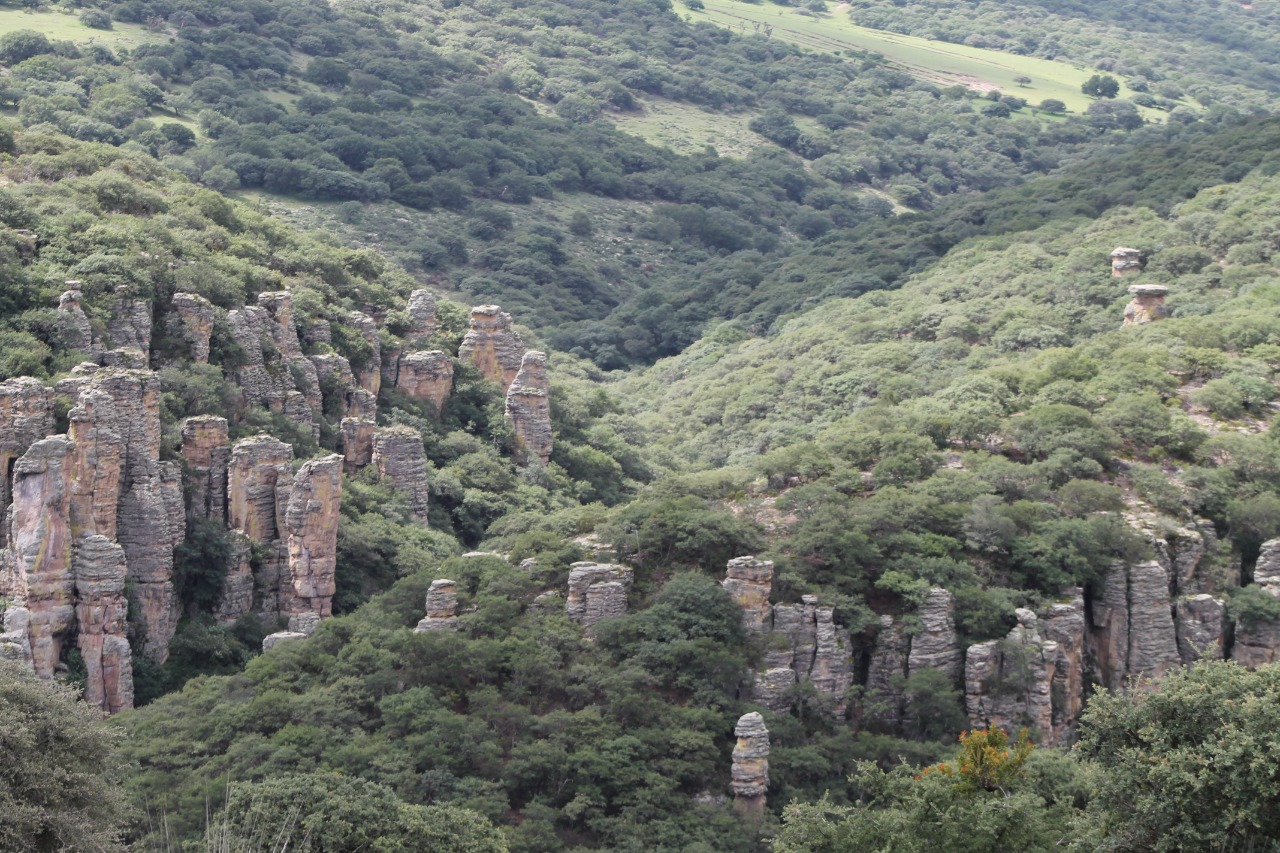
x,y
426,376
597,591
528,406
400,459
492,345
26,416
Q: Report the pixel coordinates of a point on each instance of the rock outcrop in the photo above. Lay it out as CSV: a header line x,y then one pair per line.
x,y
1258,642
749,582
1132,631
492,345
422,317
129,324
101,611
1125,261
400,460
369,374
26,416
1147,305
884,700
749,778
207,452
805,638
597,591
258,482
1009,683
441,607
937,646
73,325
1201,622
1064,623
311,537
357,442
301,626
273,357
426,376
528,406
195,316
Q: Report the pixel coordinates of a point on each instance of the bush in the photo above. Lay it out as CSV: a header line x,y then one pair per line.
x,y
96,19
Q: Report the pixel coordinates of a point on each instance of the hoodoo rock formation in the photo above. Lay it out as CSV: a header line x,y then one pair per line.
x,y
101,611
492,345
400,460
76,332
129,323
749,778
426,376
195,316
1009,683
749,582
422,317
369,374
1147,305
441,607
311,538
273,356
936,645
1132,625
528,406
1126,261
597,591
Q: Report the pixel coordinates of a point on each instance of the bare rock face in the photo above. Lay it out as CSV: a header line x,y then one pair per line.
x,y
74,326
260,470
587,607
237,583
1125,261
442,607
426,376
400,459
37,571
273,355
195,315
422,316
207,451
832,669
368,376
492,345
937,646
528,406
1201,621
749,582
129,325
311,531
884,703
1009,683
818,651
334,370
750,772
26,416
1132,632
15,637
1147,305
101,611
357,442
318,331
1266,573
1064,624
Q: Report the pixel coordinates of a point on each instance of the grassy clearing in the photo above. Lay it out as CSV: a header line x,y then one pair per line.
x,y
939,62
67,27
686,129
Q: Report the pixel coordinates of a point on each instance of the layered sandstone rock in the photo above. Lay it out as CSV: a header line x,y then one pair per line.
x,y
422,317
1009,683
749,582
749,778
400,459
1125,261
528,406
74,328
1147,305
936,645
1201,622
357,442
26,416
258,482
1064,623
369,375
441,607
426,376
1258,643
101,612
207,451
820,653
334,371
129,324
301,626
888,664
1132,631
237,584
609,598
492,345
195,316
311,537
273,357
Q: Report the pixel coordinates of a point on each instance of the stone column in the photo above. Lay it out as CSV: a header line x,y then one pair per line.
x,y
750,774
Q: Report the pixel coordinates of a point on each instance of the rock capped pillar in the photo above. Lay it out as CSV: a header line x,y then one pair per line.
x,y
492,345
195,323
1125,261
597,591
442,607
101,611
528,406
76,332
1147,305
750,774
937,646
206,449
749,582
129,325
357,442
26,416
426,376
37,572
311,526
422,317
400,459
819,652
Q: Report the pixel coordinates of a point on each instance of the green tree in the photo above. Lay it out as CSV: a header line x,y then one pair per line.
x,y
1194,765
1101,86
60,772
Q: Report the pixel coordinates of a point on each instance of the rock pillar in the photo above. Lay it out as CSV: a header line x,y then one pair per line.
x,y
750,774
528,406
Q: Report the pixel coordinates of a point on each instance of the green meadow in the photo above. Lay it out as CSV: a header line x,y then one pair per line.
x,y
67,27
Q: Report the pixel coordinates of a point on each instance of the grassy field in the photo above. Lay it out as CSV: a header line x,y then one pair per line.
x,y
939,62
688,130
67,27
